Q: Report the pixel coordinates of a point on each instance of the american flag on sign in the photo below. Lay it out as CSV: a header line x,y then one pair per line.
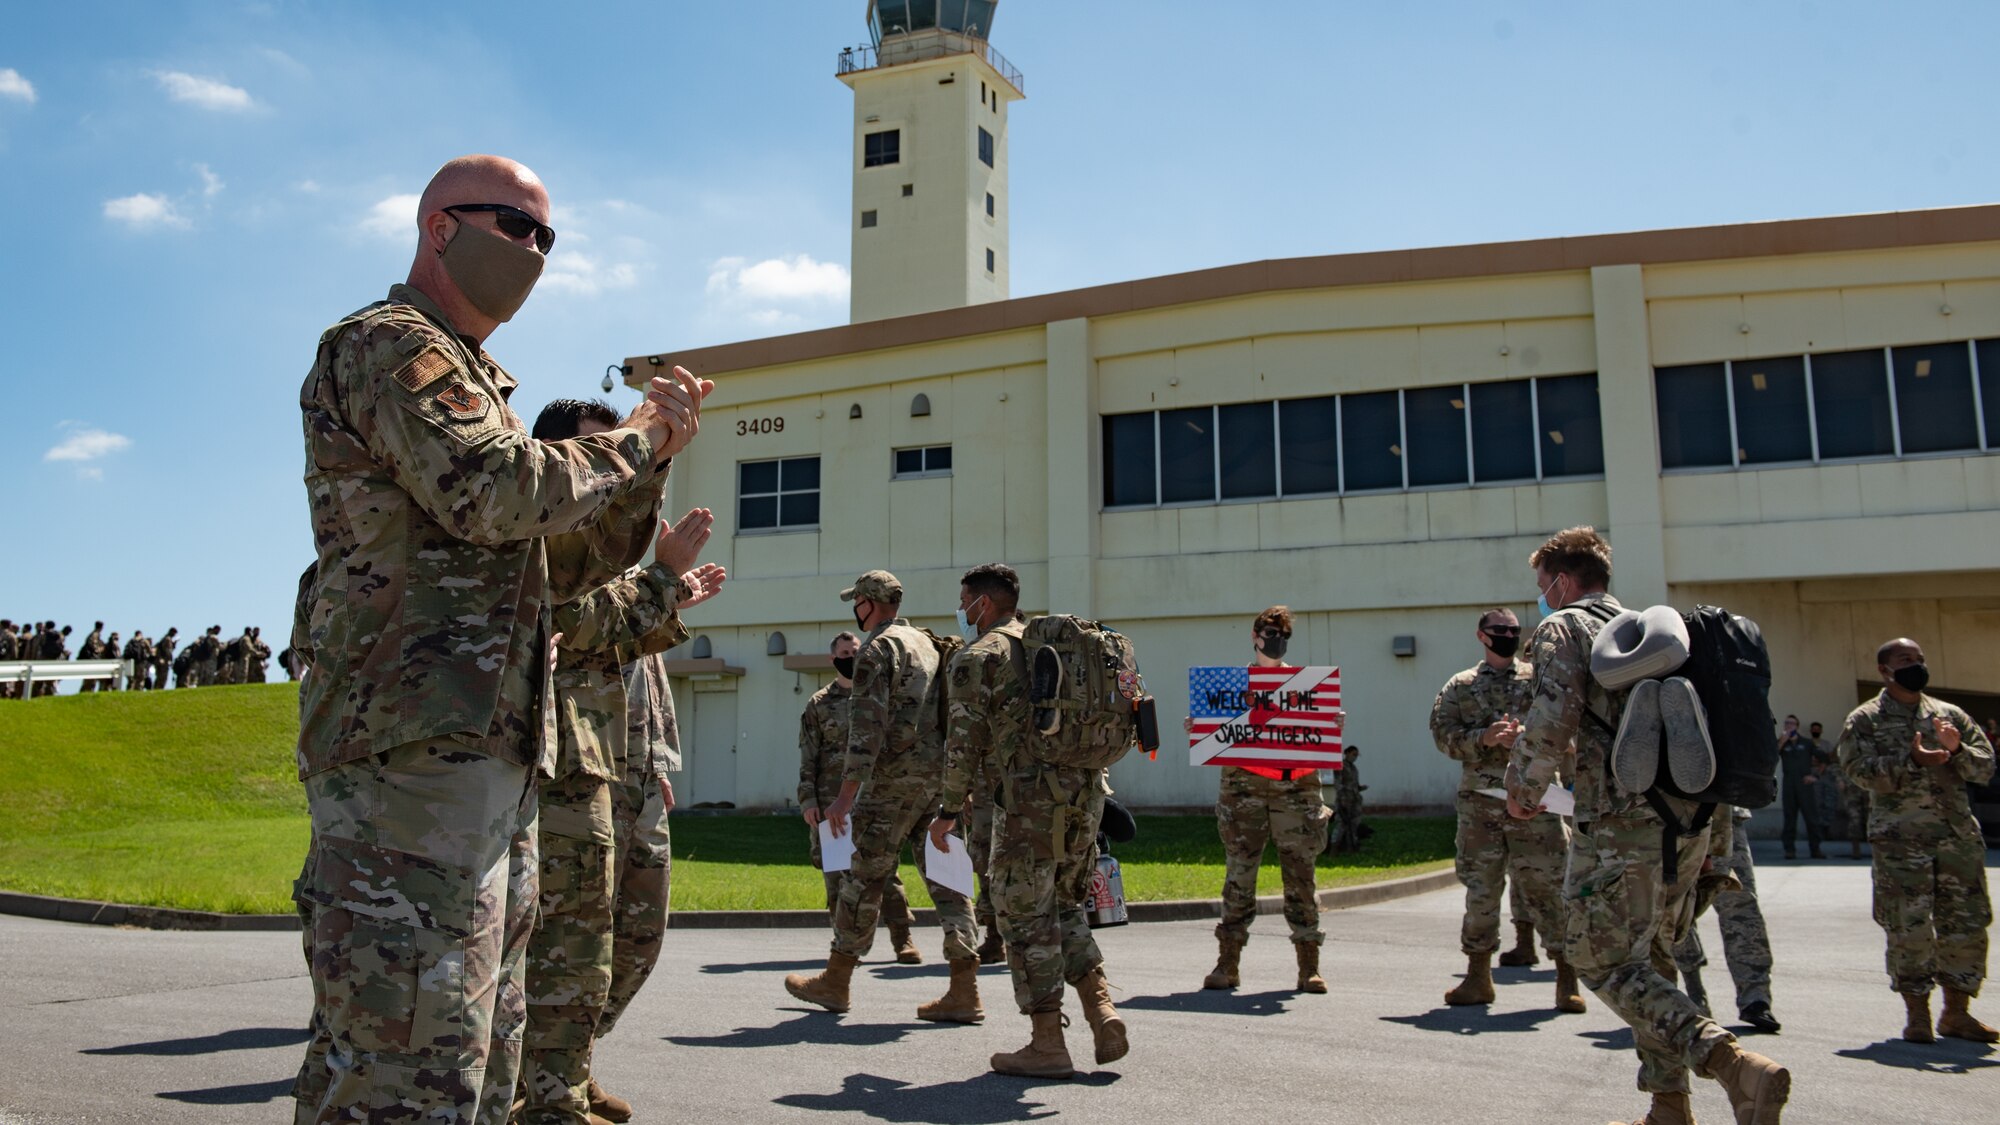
x,y
1273,717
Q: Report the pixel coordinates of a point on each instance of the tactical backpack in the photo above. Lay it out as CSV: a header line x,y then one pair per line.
x,y
1089,703
946,648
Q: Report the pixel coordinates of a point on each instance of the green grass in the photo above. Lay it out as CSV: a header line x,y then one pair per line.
x,y
190,799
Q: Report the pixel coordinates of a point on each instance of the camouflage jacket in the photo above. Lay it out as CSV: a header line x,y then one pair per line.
x,y
52,645
601,633
1556,724
823,727
892,731
163,650
652,730
431,608
10,644
92,647
989,716
1907,801
138,650
1469,703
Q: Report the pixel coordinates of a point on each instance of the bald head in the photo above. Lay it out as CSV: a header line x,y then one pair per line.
x,y
484,179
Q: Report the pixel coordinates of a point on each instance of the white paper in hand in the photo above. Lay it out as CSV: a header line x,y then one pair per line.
x,y
949,869
1556,800
836,853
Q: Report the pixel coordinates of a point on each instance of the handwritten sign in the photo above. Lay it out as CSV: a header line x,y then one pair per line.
x,y
1280,718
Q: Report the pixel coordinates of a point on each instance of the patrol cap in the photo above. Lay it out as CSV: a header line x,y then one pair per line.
x,y
875,586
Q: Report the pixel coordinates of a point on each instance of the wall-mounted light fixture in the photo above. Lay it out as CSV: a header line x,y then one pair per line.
x,y
1403,645
702,650
775,646
920,406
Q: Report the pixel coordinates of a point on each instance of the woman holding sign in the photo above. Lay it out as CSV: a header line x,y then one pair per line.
x,y
1260,803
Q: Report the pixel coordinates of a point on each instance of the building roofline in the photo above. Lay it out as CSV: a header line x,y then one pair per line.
x,y
1878,231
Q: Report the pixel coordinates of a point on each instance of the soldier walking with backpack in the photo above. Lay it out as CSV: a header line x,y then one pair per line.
x,y
889,784
1915,754
1044,842
1625,904
1280,806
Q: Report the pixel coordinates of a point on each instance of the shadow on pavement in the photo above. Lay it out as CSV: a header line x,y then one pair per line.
x,y
1472,1019
811,1028
765,966
1946,1056
1617,1040
989,1099
1214,1002
241,1039
248,1094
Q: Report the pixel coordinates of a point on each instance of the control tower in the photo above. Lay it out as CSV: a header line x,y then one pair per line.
x,y
930,209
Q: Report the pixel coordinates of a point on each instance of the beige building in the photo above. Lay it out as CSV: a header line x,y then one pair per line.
x,y
1796,420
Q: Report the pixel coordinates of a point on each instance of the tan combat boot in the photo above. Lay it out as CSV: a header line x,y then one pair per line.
x,y
1668,1109
1522,956
960,1002
1107,1030
1958,1022
904,945
828,989
1309,978
1477,987
607,1105
1569,998
1757,1087
1228,965
993,950
1045,1056
1917,1024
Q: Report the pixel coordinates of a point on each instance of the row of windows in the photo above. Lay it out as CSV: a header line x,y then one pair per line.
x,y
886,147
1485,433
784,493
1803,409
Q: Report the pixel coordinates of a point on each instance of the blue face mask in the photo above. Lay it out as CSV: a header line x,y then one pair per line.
x,y
1542,600
966,628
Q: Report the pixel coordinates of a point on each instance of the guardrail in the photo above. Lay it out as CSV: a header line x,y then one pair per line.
x,y
26,672
929,44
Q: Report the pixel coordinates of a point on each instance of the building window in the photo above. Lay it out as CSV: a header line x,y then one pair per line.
x,y
1187,455
1571,428
1309,445
909,190
1693,405
777,495
1434,421
989,259
1851,404
929,461
1773,418
1986,357
985,147
882,148
867,218
1371,441
1503,431
1131,475
989,204
1934,400
1246,457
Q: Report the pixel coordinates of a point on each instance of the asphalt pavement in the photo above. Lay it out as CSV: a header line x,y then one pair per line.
x,y
114,1025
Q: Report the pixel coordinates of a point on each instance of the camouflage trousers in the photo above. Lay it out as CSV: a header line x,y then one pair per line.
x,y
979,822
418,897
643,875
880,827
1251,811
1494,849
1856,800
895,900
569,956
1044,851
1624,920
1746,944
1931,901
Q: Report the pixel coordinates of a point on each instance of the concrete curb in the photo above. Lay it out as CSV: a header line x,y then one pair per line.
x,y
1178,910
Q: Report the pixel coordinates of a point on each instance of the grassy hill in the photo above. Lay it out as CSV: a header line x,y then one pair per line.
x,y
190,799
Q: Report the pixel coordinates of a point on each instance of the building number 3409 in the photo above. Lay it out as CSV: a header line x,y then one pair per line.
x,y
747,426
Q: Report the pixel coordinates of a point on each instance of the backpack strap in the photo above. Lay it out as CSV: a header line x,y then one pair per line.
x,y
1672,830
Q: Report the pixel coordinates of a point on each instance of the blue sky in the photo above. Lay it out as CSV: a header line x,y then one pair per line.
x,y
195,190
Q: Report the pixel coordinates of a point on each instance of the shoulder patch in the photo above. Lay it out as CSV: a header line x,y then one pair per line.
x,y
424,368
462,402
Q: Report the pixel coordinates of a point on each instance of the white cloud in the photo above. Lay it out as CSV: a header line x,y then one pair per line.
x,y
144,211
12,85
571,271
208,93
795,280
210,182
392,218
310,187
90,472
86,443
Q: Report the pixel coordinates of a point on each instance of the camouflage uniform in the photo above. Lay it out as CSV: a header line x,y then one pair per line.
x,y
92,649
1746,944
1930,860
896,752
163,660
253,669
1252,809
823,729
644,866
430,708
1623,916
202,657
1044,842
10,647
1347,804
570,952
139,651
1493,846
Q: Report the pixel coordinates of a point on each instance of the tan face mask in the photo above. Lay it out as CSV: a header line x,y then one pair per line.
x,y
494,273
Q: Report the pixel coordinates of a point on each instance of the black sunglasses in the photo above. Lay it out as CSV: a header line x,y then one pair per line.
x,y
1501,630
1272,631
514,223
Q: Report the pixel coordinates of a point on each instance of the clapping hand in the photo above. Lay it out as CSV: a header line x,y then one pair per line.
x,y
1925,757
677,402
702,583
680,543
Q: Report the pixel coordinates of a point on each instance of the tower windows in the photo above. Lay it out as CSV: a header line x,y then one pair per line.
x,y
882,148
989,204
989,259
985,147
909,190
867,219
